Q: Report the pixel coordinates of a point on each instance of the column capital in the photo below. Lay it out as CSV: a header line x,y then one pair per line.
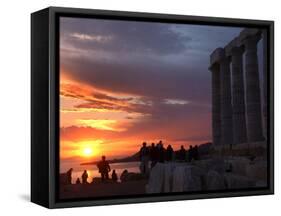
x,y
217,55
231,46
251,42
214,68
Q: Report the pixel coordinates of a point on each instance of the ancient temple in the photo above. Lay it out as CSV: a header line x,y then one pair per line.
x,y
237,116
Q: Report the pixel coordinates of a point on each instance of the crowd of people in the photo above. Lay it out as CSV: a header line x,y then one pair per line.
x,y
152,155
158,154
104,170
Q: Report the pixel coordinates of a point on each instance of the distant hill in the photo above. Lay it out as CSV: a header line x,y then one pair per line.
x,y
203,149
132,158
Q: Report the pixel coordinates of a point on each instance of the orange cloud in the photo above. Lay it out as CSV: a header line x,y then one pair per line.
x,y
121,122
103,124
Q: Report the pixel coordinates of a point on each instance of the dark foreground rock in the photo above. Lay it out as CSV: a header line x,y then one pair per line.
x,y
130,176
106,189
207,175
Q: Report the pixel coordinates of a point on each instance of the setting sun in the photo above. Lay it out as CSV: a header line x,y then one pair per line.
x,y
87,151
89,148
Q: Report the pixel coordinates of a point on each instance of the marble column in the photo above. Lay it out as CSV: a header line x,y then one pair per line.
x,y
238,100
265,74
216,114
225,102
253,97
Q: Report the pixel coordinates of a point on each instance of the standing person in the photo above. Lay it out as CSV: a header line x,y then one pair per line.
x,y
153,155
182,153
169,153
84,177
161,152
78,181
69,176
157,152
144,158
190,153
104,168
114,176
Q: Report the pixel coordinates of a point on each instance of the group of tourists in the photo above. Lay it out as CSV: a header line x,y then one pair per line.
x,y
158,154
152,154
104,170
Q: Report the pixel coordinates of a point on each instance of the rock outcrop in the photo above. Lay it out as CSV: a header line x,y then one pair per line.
x,y
206,175
129,176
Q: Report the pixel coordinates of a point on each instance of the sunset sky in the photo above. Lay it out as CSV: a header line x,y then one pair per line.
x,y
125,82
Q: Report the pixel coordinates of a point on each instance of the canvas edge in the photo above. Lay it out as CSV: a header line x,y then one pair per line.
x,y
39,108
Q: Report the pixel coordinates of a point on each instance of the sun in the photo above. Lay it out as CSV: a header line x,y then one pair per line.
x,y
89,148
87,151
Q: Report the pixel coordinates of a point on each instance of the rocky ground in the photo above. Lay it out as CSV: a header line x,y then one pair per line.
x,y
102,189
212,174
209,174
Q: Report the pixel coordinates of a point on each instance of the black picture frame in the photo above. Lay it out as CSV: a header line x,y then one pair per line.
x,y
45,105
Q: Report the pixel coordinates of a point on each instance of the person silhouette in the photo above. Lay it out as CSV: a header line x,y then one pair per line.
x,y
190,153
169,153
78,181
104,168
161,152
114,176
69,176
84,177
144,158
153,155
182,154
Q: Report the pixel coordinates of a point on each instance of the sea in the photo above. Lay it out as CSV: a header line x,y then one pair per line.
x,y
93,170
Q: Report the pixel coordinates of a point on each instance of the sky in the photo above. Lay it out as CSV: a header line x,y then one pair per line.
x,y
125,82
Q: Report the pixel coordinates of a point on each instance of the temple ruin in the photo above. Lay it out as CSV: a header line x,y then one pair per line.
x,y
238,117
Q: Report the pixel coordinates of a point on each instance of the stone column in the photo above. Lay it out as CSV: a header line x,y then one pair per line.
x,y
253,100
225,105
265,74
238,101
216,114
